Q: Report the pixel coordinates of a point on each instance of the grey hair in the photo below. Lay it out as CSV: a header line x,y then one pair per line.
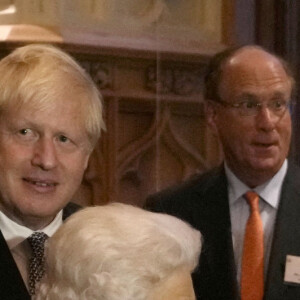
x,y
116,252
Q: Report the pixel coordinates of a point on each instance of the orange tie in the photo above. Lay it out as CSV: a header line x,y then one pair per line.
x,y
252,281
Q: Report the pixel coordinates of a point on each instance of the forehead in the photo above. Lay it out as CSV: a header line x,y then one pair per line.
x,y
60,111
254,71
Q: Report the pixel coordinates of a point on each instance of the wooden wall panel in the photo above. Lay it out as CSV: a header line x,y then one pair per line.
x,y
156,132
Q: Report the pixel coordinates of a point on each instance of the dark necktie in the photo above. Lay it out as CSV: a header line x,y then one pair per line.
x,y
37,260
252,281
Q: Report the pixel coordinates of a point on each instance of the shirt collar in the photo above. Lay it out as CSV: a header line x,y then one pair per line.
x,y
269,191
15,233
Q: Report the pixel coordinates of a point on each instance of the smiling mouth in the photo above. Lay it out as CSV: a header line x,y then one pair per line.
x,y
41,183
264,145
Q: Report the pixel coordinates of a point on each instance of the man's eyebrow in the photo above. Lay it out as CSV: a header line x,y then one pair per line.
x,y
247,96
24,123
279,94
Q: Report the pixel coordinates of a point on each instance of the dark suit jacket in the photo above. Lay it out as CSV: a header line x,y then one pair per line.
x,y
12,286
203,202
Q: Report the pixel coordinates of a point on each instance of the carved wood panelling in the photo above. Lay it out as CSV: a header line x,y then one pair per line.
x,y
156,133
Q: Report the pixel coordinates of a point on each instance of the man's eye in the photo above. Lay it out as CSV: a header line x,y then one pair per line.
x,y
249,104
26,134
63,139
66,143
278,104
24,131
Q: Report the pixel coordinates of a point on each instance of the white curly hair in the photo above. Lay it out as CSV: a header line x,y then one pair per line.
x,y
116,252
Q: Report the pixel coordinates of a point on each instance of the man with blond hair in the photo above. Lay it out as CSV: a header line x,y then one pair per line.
x,y
50,121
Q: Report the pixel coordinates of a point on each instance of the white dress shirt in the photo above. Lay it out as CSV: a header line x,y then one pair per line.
x,y
16,237
269,196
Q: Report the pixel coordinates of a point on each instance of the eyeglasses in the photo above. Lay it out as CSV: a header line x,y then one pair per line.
x,y
252,108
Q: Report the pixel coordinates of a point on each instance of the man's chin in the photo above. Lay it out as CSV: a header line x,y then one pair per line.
x,y
267,166
39,214
36,222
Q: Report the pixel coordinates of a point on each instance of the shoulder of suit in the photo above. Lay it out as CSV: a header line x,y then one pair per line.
x,y
293,169
196,183
69,209
292,177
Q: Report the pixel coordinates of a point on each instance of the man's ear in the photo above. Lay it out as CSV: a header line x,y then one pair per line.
x,y
86,162
211,115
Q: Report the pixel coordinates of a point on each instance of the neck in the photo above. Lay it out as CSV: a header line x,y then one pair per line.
x,y
253,178
31,222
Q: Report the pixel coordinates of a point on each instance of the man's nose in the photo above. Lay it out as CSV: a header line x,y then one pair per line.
x,y
266,119
44,154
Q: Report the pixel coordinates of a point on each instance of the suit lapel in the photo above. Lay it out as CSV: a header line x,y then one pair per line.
x,y
286,238
69,209
217,254
12,286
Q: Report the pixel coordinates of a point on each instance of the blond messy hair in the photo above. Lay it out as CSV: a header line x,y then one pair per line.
x,y
38,74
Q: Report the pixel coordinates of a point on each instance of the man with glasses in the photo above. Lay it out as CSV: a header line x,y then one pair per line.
x,y
248,210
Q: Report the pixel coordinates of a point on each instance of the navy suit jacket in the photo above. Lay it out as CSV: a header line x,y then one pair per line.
x,y
203,202
12,286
